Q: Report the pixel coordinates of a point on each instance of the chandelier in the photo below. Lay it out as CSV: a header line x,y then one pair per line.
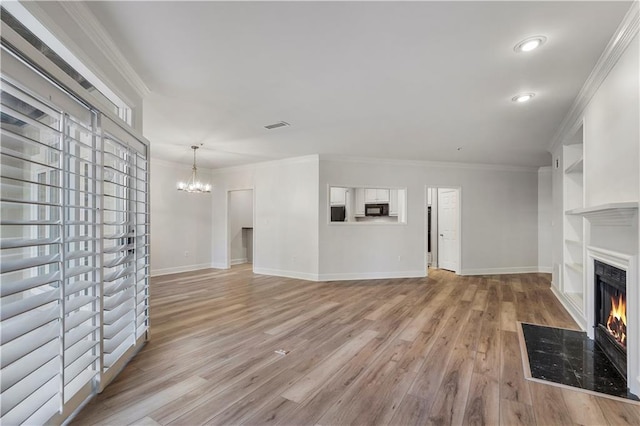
x,y
193,184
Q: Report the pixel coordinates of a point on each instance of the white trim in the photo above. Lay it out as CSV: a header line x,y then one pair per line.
x,y
288,274
34,59
239,261
420,163
44,27
269,163
349,276
501,271
93,29
218,265
178,269
568,306
545,269
612,214
623,36
376,161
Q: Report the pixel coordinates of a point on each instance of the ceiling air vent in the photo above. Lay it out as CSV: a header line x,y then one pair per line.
x,y
277,125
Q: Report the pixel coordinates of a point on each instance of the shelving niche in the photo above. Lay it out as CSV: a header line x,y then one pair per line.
x,y
573,282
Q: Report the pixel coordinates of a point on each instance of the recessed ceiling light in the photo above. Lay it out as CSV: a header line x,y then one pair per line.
x,y
523,97
529,44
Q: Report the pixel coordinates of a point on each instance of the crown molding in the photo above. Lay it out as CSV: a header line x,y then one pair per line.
x,y
623,36
313,158
432,164
93,29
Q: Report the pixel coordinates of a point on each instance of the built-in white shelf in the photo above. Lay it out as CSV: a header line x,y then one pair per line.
x,y
575,167
611,214
577,267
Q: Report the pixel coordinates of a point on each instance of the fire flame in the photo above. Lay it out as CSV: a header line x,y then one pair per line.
x,y
617,321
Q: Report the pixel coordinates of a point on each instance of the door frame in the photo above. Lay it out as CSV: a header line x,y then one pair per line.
x,y
228,225
458,188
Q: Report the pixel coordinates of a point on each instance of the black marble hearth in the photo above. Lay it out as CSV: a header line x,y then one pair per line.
x,y
570,358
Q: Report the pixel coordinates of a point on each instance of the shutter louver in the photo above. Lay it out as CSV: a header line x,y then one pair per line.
x,y
31,249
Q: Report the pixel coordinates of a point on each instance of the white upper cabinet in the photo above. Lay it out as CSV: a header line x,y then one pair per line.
x,y
338,196
376,195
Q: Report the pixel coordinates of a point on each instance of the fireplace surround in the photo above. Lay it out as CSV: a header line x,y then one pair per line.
x,y
619,265
610,321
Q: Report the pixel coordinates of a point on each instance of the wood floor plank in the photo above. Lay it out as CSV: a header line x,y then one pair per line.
x,y
619,413
508,316
144,407
516,413
288,325
483,402
436,350
382,310
303,387
412,411
377,393
514,387
548,405
583,408
454,390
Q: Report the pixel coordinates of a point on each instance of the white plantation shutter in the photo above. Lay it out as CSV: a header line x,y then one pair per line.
x,y
125,245
142,228
31,198
73,249
81,254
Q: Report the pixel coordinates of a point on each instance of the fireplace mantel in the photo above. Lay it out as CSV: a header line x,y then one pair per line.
x,y
612,214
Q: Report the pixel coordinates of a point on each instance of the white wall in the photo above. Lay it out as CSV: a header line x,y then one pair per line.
x,y
545,198
180,222
499,220
286,215
612,134
240,215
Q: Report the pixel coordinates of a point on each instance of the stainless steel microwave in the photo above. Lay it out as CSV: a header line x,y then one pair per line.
x,y
376,210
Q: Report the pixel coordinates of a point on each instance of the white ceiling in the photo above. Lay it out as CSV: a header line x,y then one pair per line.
x,y
403,80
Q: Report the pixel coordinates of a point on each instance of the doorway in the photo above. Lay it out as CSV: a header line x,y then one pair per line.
x,y
240,235
443,239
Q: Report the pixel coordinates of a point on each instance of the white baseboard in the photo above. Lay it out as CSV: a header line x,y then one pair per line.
x,y
239,261
568,306
545,269
348,276
288,274
178,269
501,271
219,265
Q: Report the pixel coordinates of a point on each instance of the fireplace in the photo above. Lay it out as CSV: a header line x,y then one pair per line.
x,y
610,313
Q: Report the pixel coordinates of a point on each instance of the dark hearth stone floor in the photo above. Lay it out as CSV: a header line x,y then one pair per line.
x,y
570,358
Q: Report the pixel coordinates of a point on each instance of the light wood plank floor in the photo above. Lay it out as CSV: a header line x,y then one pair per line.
x,y
442,350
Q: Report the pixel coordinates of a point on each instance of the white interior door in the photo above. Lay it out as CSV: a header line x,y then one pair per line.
x,y
448,232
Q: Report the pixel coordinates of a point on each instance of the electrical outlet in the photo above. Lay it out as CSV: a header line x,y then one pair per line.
x,y
186,254
399,258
